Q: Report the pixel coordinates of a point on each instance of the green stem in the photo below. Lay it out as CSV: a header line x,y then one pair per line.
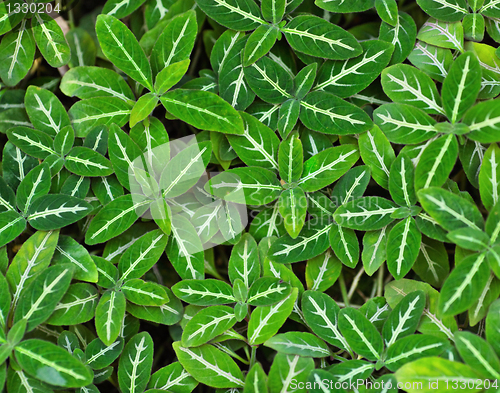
x,y
380,280
343,289
253,356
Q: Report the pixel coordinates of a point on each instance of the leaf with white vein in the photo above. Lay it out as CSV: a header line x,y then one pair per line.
x,y
315,36
434,61
483,121
41,297
367,213
287,369
17,54
100,355
489,177
378,154
52,364
45,111
402,35
299,343
35,185
312,240
87,162
121,8
362,336
258,146
326,113
478,353
207,292
461,86
33,142
88,82
134,368
404,318
345,78
210,366
12,224
240,15
408,85
144,293
109,316
265,321
50,39
207,324
446,10
267,291
77,306
120,46
244,263
55,211
442,34
173,378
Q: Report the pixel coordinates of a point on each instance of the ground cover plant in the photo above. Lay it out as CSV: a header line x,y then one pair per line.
x,y
256,196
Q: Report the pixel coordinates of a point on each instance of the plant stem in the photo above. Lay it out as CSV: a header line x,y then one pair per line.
x,y
355,283
253,356
380,280
343,289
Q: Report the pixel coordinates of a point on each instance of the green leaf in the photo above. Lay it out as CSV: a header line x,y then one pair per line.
x,y
345,78
166,314
87,162
367,213
207,292
185,249
143,108
267,291
89,113
36,184
345,7
50,40
144,293
17,54
464,285
286,369
100,355
259,43
315,36
404,318
89,82
109,316
482,121
245,185
55,211
191,107
170,76
77,306
299,343
121,9
82,46
374,250
323,112
470,239
345,245
311,241
240,15
402,35
121,47
490,9
40,299
478,354
173,378
434,61
404,83
273,10
445,10
244,261
45,110
269,80
265,321
378,154
293,208
34,143
256,380
327,166
489,177
210,366
442,34
175,42
321,314
52,364
140,257
207,324
64,140
461,86
401,181
449,210
134,368
404,124
290,158
420,374
362,336
432,262
258,145
413,347
387,11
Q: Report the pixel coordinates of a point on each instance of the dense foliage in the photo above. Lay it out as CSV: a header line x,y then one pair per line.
x,y
258,196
